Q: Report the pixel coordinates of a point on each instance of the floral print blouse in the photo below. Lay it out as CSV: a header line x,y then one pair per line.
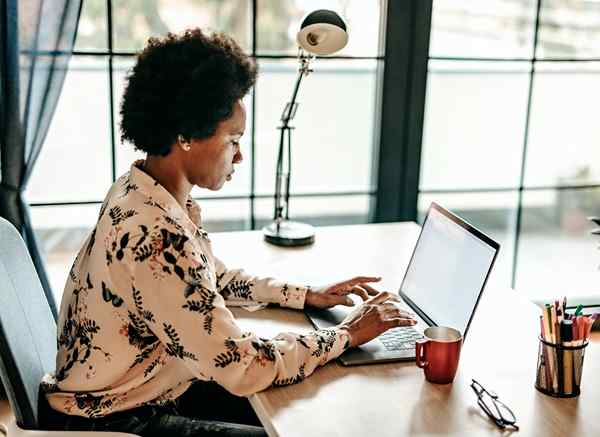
x,y
144,312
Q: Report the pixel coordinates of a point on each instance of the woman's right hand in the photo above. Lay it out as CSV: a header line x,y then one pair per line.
x,y
374,317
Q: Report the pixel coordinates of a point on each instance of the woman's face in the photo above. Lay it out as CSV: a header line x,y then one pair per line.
x,y
211,160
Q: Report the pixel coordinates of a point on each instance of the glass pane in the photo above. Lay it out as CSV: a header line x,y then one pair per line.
x,y
492,213
474,125
278,22
225,214
75,162
563,145
126,154
27,16
62,231
91,30
135,21
557,254
489,29
319,211
569,29
332,145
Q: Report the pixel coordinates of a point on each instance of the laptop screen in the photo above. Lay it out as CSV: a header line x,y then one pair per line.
x,y
448,270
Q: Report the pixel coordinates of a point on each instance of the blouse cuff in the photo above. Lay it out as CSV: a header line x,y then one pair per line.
x,y
342,342
294,296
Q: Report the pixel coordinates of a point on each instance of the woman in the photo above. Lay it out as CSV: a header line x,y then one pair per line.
x,y
143,316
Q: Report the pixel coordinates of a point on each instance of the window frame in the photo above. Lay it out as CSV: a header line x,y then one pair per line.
x,y
522,188
110,53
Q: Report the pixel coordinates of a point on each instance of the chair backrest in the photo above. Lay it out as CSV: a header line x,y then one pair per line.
x,y
27,328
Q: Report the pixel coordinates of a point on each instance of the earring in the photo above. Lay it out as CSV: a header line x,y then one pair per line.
x,y
185,145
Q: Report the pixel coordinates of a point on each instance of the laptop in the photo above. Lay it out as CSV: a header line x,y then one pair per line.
x,y
442,285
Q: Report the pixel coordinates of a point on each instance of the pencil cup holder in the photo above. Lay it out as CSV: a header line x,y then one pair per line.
x,y
559,369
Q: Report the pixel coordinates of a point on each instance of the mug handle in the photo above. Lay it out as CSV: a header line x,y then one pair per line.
x,y
421,353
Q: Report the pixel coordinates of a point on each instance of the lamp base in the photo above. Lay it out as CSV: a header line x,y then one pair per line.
x,y
291,234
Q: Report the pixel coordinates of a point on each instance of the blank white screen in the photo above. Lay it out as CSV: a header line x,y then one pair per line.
x,y
447,271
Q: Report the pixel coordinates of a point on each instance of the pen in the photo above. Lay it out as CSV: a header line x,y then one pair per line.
x,y
566,332
548,316
566,328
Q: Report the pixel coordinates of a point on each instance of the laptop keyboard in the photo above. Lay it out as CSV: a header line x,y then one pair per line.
x,y
401,338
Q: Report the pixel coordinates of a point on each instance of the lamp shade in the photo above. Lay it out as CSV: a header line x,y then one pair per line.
x,y
322,32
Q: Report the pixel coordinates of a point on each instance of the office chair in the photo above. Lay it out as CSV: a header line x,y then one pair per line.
x,y
27,339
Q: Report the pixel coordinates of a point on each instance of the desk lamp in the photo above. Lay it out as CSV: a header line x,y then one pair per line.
x,y
322,32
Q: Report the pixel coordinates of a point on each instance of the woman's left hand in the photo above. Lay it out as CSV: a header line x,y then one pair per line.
x,y
337,294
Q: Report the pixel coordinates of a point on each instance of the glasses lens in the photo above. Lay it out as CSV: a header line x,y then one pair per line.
x,y
495,409
499,422
490,406
506,413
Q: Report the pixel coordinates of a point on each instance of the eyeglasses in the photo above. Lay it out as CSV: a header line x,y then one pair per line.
x,y
495,409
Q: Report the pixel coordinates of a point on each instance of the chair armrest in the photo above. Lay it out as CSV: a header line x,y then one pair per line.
x,y
13,430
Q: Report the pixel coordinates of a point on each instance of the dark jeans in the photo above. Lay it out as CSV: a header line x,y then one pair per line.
x,y
205,409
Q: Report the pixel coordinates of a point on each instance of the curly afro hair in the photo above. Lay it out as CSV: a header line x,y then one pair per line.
x,y
183,85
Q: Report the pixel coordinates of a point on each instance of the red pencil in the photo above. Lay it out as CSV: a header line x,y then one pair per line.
x,y
589,323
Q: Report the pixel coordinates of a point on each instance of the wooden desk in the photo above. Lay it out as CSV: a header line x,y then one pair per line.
x,y
394,399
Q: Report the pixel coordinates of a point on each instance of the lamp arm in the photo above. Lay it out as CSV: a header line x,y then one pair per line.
x,y
289,110
288,114
289,175
278,212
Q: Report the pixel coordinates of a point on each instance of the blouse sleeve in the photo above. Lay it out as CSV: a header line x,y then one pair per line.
x,y
239,288
174,296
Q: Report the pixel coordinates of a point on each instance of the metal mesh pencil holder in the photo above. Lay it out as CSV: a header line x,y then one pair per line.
x,y
559,369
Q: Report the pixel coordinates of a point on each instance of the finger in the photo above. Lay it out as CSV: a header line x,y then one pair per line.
x,y
399,321
388,308
378,298
340,300
359,292
369,289
393,311
389,305
346,301
362,279
396,298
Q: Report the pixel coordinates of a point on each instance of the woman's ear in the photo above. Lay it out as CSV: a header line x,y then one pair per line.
x,y
183,143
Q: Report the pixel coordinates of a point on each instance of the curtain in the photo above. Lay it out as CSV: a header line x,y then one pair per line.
x,y
36,43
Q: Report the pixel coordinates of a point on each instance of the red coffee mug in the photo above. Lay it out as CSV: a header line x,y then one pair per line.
x,y
438,354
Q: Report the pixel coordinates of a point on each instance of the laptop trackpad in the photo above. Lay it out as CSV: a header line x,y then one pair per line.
x,y
326,318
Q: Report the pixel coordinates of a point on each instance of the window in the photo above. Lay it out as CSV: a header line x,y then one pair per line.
x,y
510,138
332,181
